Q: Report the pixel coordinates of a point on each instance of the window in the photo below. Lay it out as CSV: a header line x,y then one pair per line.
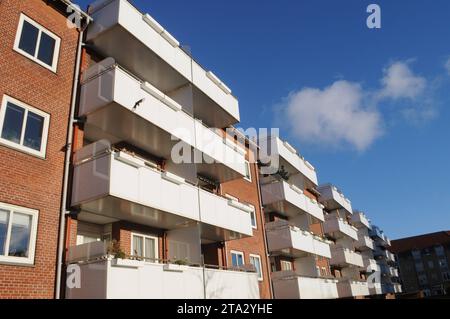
x,y
419,266
439,250
430,264
248,173
423,280
286,265
443,263
18,227
145,247
255,260
237,258
446,276
23,127
253,217
37,43
416,254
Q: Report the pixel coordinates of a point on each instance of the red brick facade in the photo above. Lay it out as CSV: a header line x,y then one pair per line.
x,y
26,180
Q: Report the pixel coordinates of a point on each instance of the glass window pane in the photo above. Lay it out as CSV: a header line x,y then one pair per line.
x,y
46,49
150,249
28,38
255,262
253,218
33,131
240,260
4,217
20,235
13,122
137,246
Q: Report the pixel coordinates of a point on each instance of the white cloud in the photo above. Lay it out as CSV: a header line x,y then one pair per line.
x,y
399,81
447,66
333,116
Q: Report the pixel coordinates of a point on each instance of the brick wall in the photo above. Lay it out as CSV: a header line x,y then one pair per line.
x,y
26,180
248,192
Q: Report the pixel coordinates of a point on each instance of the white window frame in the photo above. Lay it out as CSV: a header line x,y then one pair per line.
x,y
240,253
41,29
286,262
260,276
33,234
144,236
19,146
254,215
249,178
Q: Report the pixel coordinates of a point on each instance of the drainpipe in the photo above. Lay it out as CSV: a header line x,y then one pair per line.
x,y
62,221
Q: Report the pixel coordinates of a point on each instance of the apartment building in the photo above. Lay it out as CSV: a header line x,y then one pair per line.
x,y
346,260
390,284
165,201
423,263
299,252
38,60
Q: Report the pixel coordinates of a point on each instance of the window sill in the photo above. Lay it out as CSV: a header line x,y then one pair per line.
x,y
16,262
19,148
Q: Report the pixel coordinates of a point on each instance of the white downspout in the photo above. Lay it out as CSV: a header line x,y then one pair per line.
x,y
62,221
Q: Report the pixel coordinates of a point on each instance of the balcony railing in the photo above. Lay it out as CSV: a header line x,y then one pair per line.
x,y
359,219
289,285
337,227
364,242
118,104
375,289
120,186
110,278
352,288
333,199
370,264
289,200
343,257
279,153
290,240
147,49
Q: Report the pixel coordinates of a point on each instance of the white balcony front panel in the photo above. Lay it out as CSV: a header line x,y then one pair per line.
x,y
119,107
337,227
350,288
360,220
370,264
289,200
145,48
274,151
333,199
375,289
364,242
343,257
292,241
288,285
130,279
121,187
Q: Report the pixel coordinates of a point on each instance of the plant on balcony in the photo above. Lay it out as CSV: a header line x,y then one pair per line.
x,y
115,250
282,173
181,262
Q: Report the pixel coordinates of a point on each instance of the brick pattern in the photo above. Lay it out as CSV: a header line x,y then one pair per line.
x,y
26,180
248,192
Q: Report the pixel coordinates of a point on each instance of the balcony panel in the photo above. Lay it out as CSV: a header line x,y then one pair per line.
x,y
364,243
342,257
120,187
119,107
360,220
131,279
289,200
333,199
278,153
350,288
288,285
370,264
336,227
146,49
375,289
287,240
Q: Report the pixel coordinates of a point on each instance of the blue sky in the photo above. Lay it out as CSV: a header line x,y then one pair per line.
x,y
292,63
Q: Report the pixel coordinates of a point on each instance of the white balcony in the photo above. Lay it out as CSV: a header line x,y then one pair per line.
x,y
343,257
381,254
352,288
337,227
288,240
375,289
121,187
370,264
144,47
360,220
131,279
120,107
364,242
398,288
393,272
289,285
277,153
332,198
289,200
